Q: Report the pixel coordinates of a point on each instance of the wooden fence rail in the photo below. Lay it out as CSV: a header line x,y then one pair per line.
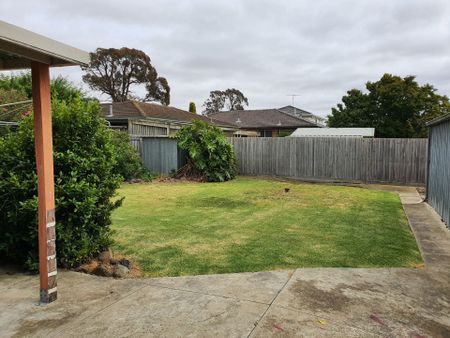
x,y
401,161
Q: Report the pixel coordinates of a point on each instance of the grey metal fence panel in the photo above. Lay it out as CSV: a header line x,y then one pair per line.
x,y
401,161
136,143
439,170
160,155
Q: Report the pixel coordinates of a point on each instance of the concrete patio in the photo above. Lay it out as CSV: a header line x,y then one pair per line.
x,y
318,302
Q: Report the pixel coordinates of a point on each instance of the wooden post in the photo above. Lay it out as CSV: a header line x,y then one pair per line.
x,y
44,162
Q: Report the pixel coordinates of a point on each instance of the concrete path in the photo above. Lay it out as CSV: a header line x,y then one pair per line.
x,y
321,302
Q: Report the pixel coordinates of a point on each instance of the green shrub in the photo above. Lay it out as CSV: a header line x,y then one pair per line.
x,y
210,156
85,184
192,108
129,164
284,133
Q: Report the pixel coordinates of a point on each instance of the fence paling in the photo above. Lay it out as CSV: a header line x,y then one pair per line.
x,y
347,159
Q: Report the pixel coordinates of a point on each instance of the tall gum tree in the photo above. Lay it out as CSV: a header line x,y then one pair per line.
x,y
120,72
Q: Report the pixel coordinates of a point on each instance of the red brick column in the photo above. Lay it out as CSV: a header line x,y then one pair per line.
x,y
46,196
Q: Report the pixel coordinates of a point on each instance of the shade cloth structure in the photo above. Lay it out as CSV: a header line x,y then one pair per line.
x,y
20,49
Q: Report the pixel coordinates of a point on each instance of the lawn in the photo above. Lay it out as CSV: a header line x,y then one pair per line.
x,y
249,224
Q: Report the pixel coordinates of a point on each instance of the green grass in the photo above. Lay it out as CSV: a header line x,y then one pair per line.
x,y
248,224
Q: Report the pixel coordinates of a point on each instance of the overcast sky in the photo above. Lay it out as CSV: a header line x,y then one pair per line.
x,y
267,49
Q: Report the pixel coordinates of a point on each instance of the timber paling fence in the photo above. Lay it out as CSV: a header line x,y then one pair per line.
x,y
398,161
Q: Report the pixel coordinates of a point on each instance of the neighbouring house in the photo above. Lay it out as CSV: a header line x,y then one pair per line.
x,y
334,132
142,119
297,112
263,122
150,125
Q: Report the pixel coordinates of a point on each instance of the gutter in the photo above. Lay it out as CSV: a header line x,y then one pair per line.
x,y
438,120
161,120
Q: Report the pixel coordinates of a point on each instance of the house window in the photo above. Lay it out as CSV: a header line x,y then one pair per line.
x,y
266,133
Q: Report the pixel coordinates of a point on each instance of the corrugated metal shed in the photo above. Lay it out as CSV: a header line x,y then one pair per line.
x,y
438,174
333,132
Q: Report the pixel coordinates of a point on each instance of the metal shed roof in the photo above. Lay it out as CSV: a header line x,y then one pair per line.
x,y
334,132
438,120
18,47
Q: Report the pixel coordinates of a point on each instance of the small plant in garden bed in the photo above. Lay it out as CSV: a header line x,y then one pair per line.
x,y
210,157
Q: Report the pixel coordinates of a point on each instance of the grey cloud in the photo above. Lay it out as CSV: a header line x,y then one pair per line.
x,y
267,49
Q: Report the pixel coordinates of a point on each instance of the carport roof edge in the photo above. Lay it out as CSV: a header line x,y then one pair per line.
x,y
18,47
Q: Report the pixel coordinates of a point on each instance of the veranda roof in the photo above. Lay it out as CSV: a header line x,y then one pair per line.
x,y
18,47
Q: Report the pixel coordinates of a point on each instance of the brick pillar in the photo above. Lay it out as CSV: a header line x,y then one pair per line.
x,y
46,197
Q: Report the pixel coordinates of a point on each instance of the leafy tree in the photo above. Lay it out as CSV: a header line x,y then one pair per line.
x,y
230,99
234,99
20,82
394,106
15,88
16,111
116,72
210,156
60,87
215,102
85,184
63,90
192,108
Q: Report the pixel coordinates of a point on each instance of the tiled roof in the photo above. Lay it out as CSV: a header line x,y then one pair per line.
x,y
261,118
121,110
136,109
